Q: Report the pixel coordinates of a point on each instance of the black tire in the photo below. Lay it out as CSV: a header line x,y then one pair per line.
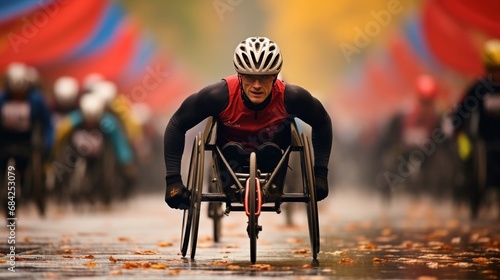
x,y
109,176
38,182
77,183
478,185
187,218
312,207
196,195
38,189
252,208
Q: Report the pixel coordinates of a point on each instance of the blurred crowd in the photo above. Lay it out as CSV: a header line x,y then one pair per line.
x,y
427,149
73,142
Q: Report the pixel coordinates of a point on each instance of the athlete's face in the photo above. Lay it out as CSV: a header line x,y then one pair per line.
x,y
257,87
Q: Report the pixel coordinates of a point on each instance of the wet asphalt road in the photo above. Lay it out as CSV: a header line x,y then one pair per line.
x,y
360,238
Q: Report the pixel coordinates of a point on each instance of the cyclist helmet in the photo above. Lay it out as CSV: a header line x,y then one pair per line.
x,y
92,107
426,87
106,90
257,56
17,77
66,90
491,54
90,80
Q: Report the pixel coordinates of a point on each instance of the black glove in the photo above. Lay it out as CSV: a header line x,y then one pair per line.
x,y
321,177
176,195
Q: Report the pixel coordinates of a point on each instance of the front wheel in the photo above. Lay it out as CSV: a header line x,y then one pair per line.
x,y
252,208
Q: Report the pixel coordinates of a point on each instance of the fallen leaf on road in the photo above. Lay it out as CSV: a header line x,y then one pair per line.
x,y
111,259
368,246
90,257
262,266
91,264
123,239
481,260
130,265
67,257
307,266
158,266
346,260
338,253
379,260
146,252
165,244
233,267
301,251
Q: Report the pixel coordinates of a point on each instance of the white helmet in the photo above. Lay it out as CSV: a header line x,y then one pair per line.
x,y
91,79
66,90
18,77
92,107
257,56
106,90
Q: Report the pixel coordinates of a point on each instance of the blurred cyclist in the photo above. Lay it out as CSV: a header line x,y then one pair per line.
x,y
253,110
121,107
65,91
477,120
398,153
25,124
97,124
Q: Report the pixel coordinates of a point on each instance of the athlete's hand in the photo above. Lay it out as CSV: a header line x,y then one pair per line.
x,y
176,194
321,178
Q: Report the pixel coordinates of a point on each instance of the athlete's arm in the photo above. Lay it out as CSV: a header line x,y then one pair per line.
x,y
209,101
301,104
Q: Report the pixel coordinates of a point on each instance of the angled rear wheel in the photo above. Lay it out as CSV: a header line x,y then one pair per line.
x,y
187,218
197,192
312,206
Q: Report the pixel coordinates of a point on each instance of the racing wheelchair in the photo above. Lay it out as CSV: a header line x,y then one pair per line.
x,y
485,160
252,185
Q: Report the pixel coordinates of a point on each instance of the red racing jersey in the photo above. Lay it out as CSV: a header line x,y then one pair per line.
x,y
239,123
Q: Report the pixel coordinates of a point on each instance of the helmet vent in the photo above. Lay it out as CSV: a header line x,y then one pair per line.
x,y
245,58
257,46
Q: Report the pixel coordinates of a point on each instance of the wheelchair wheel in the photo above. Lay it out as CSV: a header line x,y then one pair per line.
x,y
38,182
38,189
252,208
187,218
197,192
478,186
312,207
